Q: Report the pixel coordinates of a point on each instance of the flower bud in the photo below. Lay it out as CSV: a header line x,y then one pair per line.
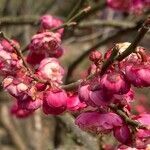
x,y
30,104
138,74
19,112
47,22
123,134
115,83
74,103
55,102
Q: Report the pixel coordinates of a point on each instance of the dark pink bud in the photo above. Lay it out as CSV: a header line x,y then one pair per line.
x,y
115,83
73,103
84,95
30,104
34,58
95,56
138,74
19,112
123,134
98,122
48,22
55,102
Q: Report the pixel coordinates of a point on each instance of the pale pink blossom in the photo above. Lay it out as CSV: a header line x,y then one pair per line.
x,y
50,69
16,88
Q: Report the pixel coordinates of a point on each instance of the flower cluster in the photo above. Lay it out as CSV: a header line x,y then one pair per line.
x,y
113,88
106,93
46,43
136,6
28,93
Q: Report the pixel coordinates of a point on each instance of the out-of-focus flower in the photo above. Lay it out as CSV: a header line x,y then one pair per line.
x,y
47,22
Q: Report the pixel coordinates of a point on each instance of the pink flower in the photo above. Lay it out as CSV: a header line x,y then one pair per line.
x,y
55,102
15,87
19,112
83,93
48,43
50,69
98,122
143,119
94,98
48,22
123,134
74,103
115,83
138,74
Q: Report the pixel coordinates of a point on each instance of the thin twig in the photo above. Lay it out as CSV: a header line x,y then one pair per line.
x,y
107,23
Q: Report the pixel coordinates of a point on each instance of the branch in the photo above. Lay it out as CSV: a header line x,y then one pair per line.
x,y
107,23
76,8
7,123
144,29
126,118
19,20
86,139
102,42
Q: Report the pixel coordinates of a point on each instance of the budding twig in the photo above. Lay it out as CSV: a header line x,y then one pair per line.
x,y
114,57
125,117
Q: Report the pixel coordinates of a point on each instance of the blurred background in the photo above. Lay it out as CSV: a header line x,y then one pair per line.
x,y
99,29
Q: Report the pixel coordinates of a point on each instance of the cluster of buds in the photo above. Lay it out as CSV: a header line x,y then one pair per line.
x,y
46,43
113,88
135,6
